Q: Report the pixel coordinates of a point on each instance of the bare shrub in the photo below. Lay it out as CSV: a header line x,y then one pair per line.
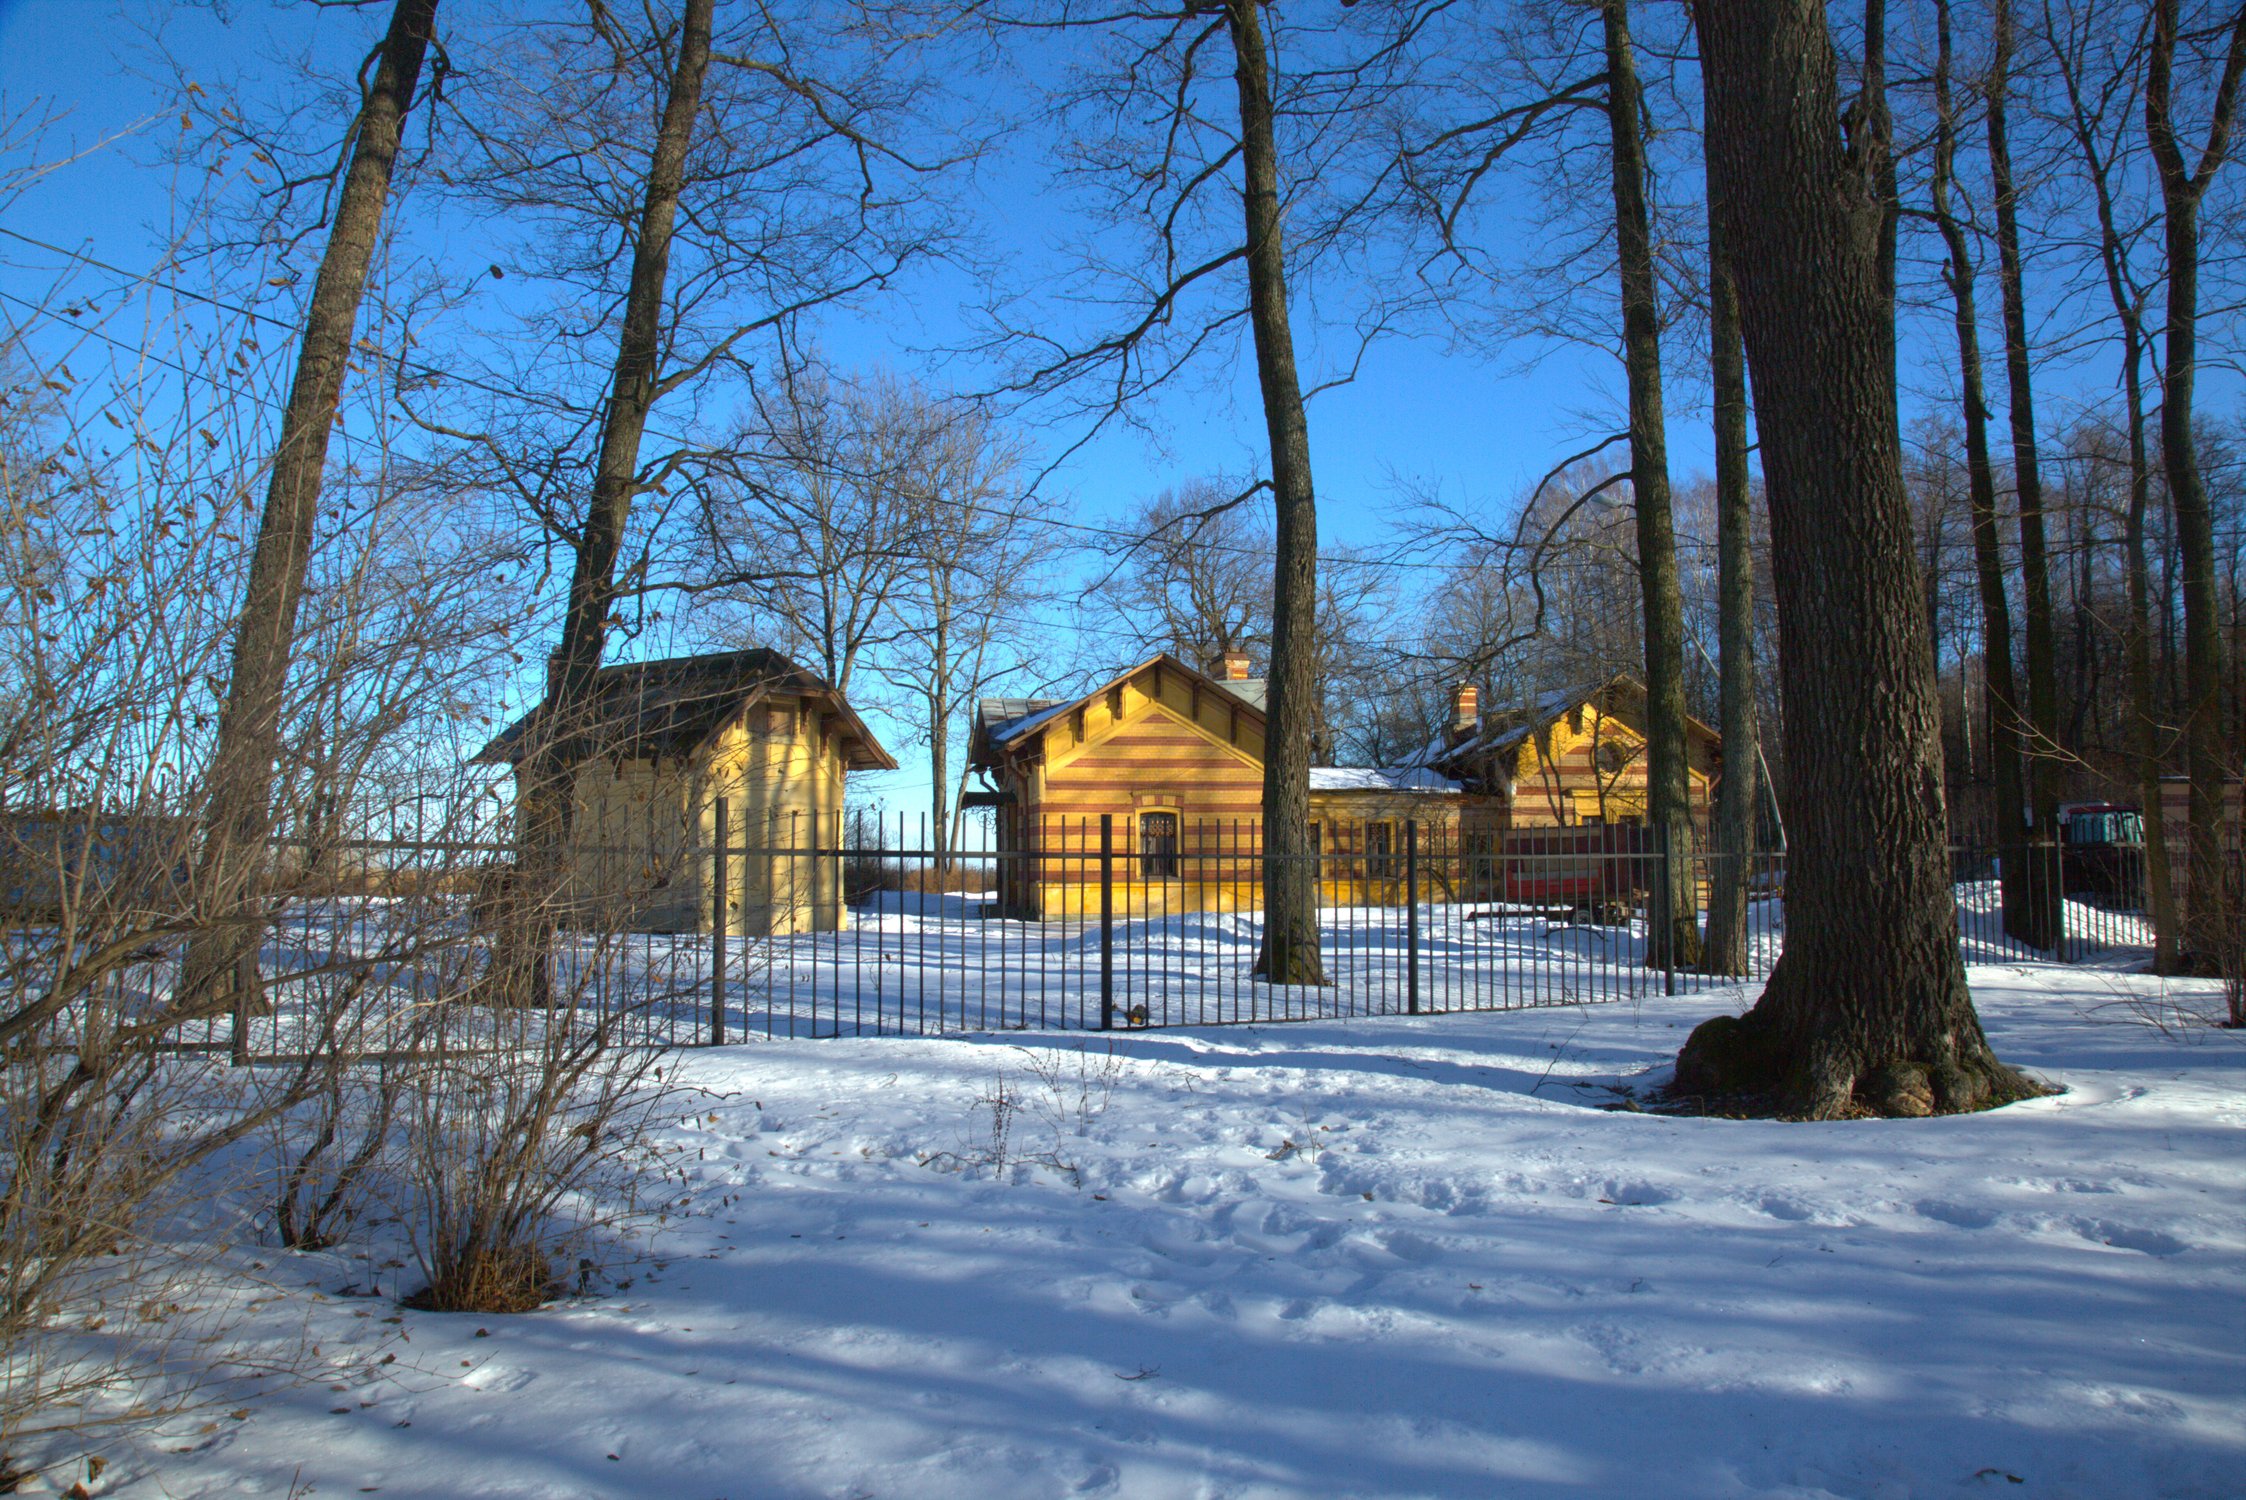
x,y
1030,1121
529,1132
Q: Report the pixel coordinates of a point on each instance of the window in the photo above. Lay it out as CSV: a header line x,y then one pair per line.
x,y
1158,845
1317,851
1481,858
1380,851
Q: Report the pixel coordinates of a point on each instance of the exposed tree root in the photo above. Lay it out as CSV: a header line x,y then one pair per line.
x,y
1734,1066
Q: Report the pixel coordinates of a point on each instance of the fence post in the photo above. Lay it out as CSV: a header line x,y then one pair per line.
x,y
1107,921
1411,916
718,919
1668,882
245,988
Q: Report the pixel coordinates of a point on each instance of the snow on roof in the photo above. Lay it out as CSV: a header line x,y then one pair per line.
x,y
1379,779
1012,727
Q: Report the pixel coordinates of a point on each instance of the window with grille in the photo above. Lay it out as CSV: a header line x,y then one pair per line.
x,y
1380,851
1158,845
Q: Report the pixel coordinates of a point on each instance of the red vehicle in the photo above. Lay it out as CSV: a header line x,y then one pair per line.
x,y
1595,874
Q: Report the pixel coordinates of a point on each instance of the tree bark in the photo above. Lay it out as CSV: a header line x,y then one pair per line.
x,y
2000,692
1672,935
1867,1010
2181,190
547,782
238,816
1290,896
2040,924
1728,890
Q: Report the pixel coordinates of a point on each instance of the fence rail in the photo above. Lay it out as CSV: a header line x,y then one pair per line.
x,y
866,931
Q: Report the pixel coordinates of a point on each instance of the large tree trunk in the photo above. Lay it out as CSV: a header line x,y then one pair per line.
x,y
2040,925
547,782
1867,1010
2000,692
1673,932
1290,895
2181,191
1728,890
238,815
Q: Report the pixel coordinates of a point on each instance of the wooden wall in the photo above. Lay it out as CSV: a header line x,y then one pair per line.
x,y
645,828
1157,742
1591,764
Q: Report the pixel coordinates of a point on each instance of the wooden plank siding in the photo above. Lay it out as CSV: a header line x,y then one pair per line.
x,y
1163,739
1150,743
1590,765
644,831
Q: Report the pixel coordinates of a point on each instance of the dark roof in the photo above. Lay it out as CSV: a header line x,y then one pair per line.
x,y
1500,729
990,713
1000,720
673,705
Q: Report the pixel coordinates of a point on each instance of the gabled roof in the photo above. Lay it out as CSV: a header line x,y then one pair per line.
x,y
673,705
1380,779
1004,722
1498,731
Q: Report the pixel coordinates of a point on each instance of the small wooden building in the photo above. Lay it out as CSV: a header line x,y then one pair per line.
x,y
1173,757
664,742
1568,759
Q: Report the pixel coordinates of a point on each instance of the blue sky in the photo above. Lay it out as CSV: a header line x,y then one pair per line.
x,y
1418,413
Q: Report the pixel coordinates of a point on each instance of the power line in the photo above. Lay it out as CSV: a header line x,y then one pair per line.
x,y
170,364
1110,534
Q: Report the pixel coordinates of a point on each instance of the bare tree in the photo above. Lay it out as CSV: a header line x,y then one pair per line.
x,y
2097,109
1675,934
2183,187
1726,951
809,533
1232,190
969,598
1194,579
222,963
1867,1010
2007,726
2039,920
763,190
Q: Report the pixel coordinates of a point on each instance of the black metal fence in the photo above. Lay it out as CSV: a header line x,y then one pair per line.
x,y
1091,923
859,927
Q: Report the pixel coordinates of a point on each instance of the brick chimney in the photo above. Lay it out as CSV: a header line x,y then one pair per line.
x,y
1233,666
1466,707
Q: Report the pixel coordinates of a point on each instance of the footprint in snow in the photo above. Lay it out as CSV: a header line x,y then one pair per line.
x,y
1960,1215
1406,1245
2128,1237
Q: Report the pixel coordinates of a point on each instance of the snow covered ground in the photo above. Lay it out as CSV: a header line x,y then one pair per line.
x,y
1377,1257
921,964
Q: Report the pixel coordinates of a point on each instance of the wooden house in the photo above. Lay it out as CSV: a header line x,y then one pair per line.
x,y
1568,759
663,742
1173,758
